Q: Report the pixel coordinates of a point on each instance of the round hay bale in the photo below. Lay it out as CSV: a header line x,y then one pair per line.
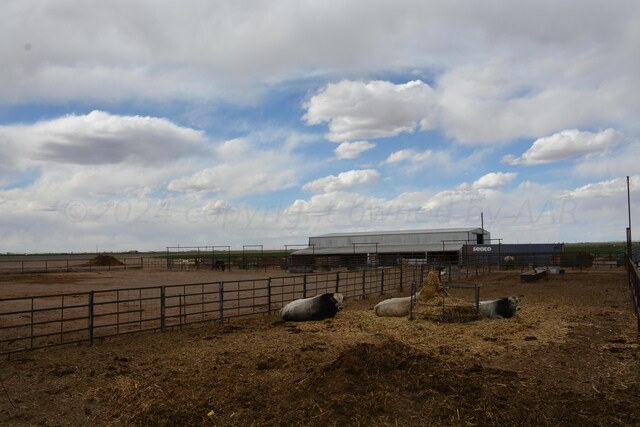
x,y
433,303
432,288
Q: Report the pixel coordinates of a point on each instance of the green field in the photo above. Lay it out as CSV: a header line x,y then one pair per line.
x,y
596,248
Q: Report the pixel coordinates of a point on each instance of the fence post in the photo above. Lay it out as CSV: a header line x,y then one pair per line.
x,y
382,283
163,308
337,282
364,284
32,320
180,307
221,299
400,277
269,294
304,286
90,318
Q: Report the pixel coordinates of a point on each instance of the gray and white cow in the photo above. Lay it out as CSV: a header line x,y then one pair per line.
x,y
394,307
324,306
503,308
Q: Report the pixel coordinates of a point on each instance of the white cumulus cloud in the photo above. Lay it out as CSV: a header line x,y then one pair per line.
x,y
607,188
409,155
79,151
494,180
352,150
566,144
376,109
343,181
255,164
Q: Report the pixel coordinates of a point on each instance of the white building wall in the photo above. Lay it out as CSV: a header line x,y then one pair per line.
x,y
415,237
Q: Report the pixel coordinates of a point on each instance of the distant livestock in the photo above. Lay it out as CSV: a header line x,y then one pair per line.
x,y
503,308
324,306
509,260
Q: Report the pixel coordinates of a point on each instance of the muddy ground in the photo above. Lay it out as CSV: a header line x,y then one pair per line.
x,y
570,357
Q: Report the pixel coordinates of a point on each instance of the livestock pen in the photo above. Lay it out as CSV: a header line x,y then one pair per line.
x,y
569,357
39,321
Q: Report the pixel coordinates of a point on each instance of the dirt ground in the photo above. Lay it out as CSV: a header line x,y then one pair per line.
x,y
18,285
570,357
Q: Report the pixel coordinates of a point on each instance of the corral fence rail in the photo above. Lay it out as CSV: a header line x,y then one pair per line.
x,y
77,264
34,322
634,283
528,260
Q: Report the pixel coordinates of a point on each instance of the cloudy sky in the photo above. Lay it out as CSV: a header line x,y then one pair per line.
x,y
145,124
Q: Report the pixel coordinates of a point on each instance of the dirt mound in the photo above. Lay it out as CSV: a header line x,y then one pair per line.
x,y
371,360
394,381
103,261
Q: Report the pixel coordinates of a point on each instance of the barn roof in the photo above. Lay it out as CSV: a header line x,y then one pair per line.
x,y
392,232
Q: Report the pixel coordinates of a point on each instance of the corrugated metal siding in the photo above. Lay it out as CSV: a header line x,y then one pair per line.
x,y
394,249
399,238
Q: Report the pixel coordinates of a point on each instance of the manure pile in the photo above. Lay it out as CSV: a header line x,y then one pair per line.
x,y
103,261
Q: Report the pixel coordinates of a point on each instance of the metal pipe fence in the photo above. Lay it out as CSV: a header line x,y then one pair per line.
x,y
506,260
634,283
76,264
28,323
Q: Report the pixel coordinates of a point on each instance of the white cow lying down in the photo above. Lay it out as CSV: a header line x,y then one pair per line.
x,y
394,307
502,308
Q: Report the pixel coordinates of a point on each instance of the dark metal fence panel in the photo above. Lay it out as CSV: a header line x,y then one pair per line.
x,y
63,264
634,283
123,311
43,321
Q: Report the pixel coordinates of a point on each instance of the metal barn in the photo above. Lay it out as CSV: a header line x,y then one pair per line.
x,y
388,248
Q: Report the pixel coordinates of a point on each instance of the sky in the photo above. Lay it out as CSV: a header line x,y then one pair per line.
x,y
137,125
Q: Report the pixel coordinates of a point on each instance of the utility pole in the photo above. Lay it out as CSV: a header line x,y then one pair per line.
x,y
629,210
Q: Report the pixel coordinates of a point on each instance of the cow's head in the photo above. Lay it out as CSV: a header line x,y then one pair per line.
x,y
337,300
514,303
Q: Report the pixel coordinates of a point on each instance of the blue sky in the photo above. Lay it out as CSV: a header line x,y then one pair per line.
x,y
139,125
